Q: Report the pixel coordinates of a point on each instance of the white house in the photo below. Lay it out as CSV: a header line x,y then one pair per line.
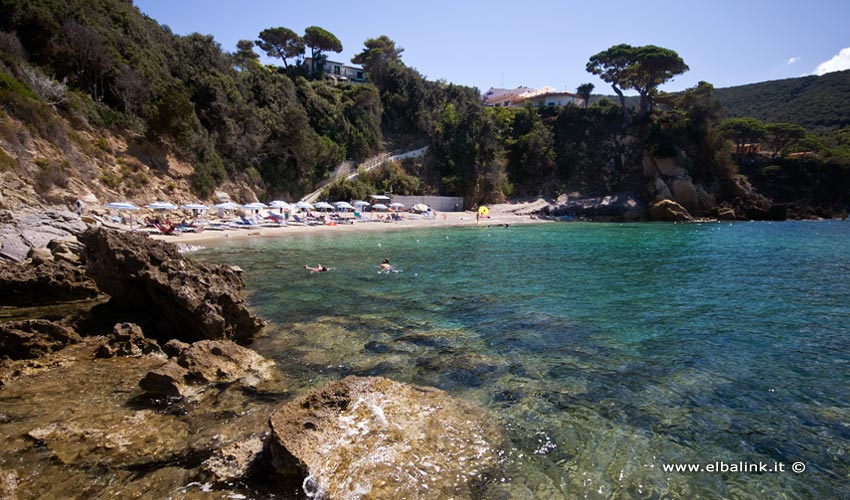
x,y
340,71
504,97
515,98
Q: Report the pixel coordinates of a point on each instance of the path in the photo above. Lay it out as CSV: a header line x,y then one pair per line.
x,y
369,164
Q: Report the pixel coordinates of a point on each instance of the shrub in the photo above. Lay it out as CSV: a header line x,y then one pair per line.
x,y
49,174
110,178
6,162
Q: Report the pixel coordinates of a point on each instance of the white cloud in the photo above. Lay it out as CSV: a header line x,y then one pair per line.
x,y
839,62
792,60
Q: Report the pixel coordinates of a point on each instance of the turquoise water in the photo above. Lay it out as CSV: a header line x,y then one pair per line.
x,y
605,350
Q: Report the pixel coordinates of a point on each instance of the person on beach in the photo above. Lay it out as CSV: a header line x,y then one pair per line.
x,y
386,266
318,269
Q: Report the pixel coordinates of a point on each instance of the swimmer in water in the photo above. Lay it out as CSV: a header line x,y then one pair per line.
x,y
318,269
386,266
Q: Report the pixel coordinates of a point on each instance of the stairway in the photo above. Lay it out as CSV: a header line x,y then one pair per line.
x,y
367,165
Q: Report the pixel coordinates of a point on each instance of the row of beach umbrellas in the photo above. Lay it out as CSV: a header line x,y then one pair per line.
x,y
302,205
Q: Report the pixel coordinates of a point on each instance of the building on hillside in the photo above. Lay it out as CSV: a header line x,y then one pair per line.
x,y
518,97
340,71
504,97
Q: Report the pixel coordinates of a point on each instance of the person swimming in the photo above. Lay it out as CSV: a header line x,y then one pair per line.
x,y
386,266
318,269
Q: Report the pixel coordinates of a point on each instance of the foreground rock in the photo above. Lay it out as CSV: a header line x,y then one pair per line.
x,y
375,438
40,281
34,338
77,426
127,339
194,367
179,298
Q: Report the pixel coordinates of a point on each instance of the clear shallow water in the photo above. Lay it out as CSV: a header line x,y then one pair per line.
x,y
605,350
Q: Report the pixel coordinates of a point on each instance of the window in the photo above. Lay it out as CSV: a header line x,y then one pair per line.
x,y
359,75
336,70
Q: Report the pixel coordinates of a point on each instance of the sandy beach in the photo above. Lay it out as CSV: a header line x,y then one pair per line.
x,y
500,215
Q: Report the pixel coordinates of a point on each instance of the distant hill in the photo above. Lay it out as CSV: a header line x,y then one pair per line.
x,y
818,103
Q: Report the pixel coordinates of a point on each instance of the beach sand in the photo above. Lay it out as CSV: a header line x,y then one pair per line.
x,y
500,215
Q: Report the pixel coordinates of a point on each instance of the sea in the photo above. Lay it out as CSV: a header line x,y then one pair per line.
x,y
645,360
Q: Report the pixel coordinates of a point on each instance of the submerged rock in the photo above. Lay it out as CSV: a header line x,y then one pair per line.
x,y
370,437
33,338
173,296
234,462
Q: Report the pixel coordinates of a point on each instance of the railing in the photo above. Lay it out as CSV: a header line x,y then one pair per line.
x,y
367,165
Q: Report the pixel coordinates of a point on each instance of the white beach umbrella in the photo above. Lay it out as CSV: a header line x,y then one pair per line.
x,y
304,205
397,205
195,206
161,205
121,205
379,206
361,203
255,206
229,205
324,205
344,205
420,207
279,204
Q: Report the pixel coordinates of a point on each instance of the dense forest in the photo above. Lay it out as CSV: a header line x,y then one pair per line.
x,y
105,68
818,103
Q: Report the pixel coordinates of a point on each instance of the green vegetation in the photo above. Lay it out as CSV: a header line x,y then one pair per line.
x,y
820,104
284,129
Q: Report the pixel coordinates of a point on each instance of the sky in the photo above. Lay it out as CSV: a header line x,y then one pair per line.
x,y
548,42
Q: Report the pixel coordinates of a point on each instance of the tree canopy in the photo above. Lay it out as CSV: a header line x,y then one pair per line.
x,y
642,69
282,43
376,57
320,41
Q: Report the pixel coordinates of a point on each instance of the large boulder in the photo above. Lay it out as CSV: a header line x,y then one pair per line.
x,y
174,296
685,194
34,229
34,338
669,211
370,437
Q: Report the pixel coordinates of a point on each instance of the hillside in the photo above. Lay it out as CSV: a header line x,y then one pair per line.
x,y
818,103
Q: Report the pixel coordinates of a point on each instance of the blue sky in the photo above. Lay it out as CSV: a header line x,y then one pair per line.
x,y
537,43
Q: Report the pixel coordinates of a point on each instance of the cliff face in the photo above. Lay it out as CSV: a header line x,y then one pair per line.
x,y
79,162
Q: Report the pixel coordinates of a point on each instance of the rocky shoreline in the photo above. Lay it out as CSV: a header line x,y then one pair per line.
x,y
134,377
